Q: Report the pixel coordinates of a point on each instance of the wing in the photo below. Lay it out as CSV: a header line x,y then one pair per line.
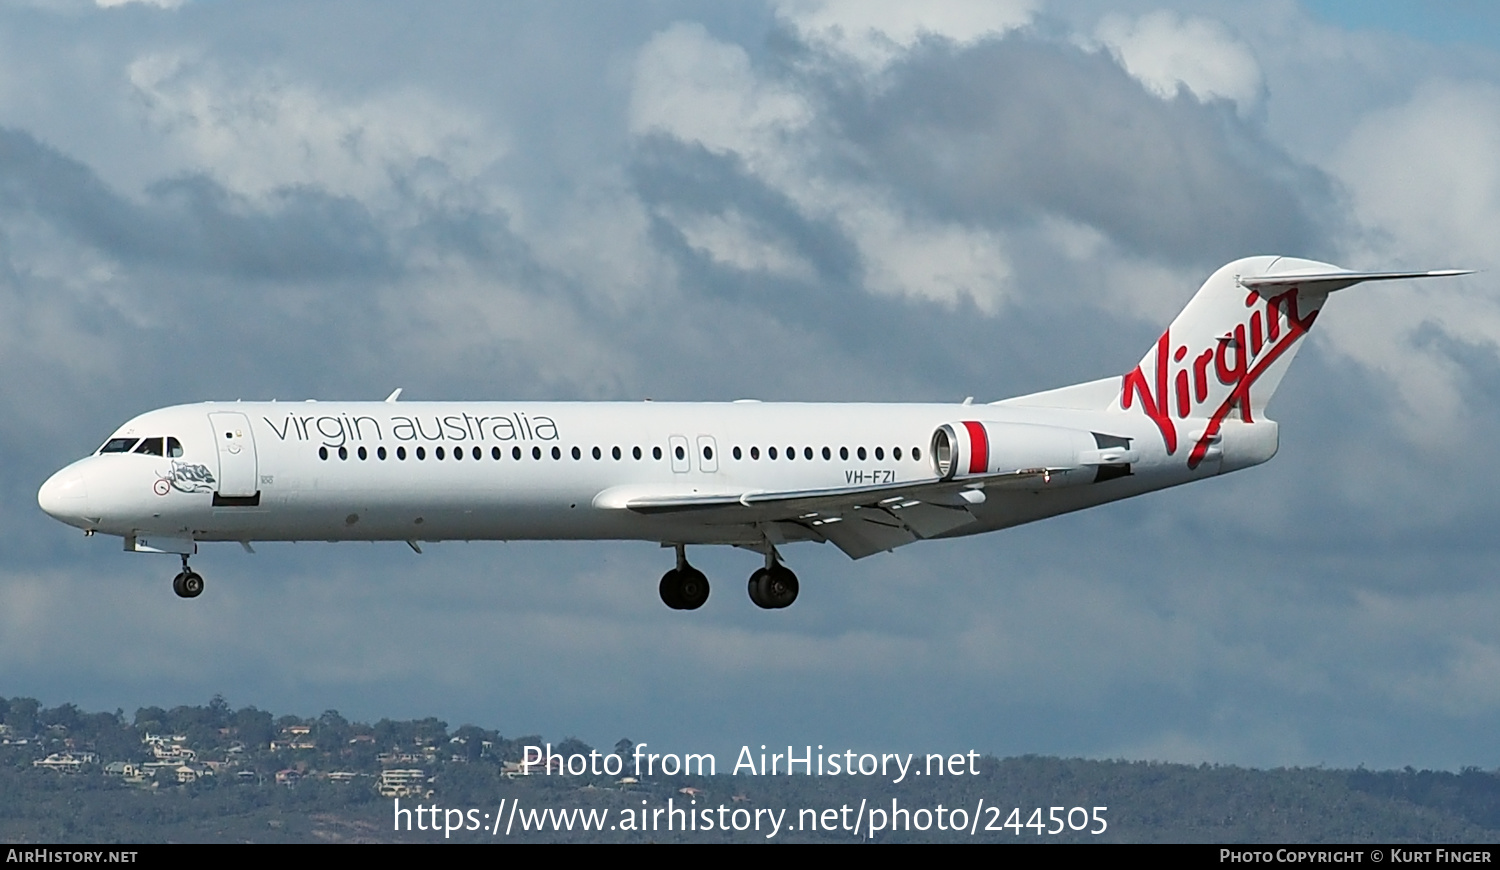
x,y
860,520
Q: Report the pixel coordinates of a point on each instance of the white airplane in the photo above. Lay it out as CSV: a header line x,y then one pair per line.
x,y
866,477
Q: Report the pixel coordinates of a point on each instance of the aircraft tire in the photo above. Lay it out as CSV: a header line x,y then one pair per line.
x,y
669,590
188,584
779,587
773,588
756,588
692,588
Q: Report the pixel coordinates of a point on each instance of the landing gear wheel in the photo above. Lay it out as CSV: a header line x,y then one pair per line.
x,y
684,588
692,588
668,590
773,588
188,584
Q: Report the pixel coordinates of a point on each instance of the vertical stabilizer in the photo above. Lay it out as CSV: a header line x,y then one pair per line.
x,y
1228,350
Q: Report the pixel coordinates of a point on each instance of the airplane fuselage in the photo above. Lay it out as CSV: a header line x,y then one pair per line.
x,y
435,471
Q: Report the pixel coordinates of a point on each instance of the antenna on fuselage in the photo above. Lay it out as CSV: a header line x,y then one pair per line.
x,y
392,396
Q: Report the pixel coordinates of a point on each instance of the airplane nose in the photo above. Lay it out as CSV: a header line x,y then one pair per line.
x,y
64,496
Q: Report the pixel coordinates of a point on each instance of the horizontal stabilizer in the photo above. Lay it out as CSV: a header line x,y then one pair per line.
x,y
1327,282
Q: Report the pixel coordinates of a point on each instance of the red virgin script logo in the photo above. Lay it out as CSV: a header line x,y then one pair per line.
x,y
1238,360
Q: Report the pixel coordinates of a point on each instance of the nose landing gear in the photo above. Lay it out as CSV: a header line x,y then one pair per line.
x,y
683,587
188,583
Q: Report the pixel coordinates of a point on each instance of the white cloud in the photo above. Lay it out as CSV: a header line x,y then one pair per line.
x,y
876,32
160,4
735,241
1426,173
260,133
1166,51
1423,178
938,262
697,89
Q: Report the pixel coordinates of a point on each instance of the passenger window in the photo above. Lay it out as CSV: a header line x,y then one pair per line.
x,y
656,453
118,445
421,453
879,452
363,454
597,454
536,453
770,452
380,451
438,453
860,453
174,448
515,453
679,453
401,453
807,453
495,453
322,452
754,452
636,451
615,453
150,447
343,453
791,453
556,453
827,454
843,453
577,454
916,453
737,453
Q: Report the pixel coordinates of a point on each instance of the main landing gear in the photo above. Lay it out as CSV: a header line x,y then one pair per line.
x,y
188,583
774,586
683,587
686,588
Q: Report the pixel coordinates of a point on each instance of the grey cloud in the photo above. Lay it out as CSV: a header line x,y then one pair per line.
x,y
192,222
670,172
1011,128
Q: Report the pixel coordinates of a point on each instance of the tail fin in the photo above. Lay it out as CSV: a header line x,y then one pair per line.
x,y
1230,347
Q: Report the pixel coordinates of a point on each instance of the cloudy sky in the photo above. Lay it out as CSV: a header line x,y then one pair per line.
x,y
807,200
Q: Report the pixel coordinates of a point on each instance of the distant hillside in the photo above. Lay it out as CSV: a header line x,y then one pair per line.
x,y
213,773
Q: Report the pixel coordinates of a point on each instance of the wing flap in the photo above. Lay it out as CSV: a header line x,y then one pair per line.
x,y
860,520
861,537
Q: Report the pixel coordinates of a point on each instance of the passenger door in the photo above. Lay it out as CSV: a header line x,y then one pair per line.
x,y
236,448
708,454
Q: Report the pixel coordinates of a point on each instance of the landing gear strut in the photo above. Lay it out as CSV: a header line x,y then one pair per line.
x,y
774,586
682,588
188,583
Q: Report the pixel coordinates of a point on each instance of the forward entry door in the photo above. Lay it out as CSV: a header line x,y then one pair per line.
x,y
236,446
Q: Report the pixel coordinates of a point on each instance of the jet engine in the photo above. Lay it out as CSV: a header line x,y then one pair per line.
x,y
971,448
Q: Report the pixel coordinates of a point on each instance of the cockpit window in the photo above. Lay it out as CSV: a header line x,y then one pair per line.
x,y
174,447
118,445
150,447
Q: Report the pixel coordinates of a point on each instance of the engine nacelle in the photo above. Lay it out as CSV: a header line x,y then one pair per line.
x,y
971,448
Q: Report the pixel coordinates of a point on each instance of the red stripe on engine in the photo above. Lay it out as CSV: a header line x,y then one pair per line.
x,y
979,448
